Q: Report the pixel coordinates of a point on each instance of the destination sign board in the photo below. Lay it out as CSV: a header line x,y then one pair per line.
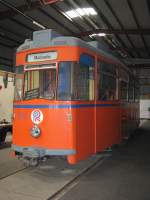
x,y
45,56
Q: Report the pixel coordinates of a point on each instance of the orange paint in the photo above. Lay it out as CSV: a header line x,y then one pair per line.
x,y
86,129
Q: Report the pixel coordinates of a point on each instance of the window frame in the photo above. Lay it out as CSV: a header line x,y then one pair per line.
x,y
30,82
71,99
100,72
127,94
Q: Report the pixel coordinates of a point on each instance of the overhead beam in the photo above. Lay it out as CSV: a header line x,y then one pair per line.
x,y
7,59
22,24
61,12
141,50
137,24
23,8
148,5
4,29
109,25
17,11
48,2
143,66
137,61
5,64
73,4
121,25
11,13
6,45
28,3
9,39
89,21
56,20
116,31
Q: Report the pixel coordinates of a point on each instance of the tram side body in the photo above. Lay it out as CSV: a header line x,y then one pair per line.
x,y
75,129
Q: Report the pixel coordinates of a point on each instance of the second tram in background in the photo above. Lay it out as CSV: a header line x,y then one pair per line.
x,y
71,99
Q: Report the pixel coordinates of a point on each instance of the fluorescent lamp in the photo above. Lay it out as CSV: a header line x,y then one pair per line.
x,y
89,11
101,34
72,14
67,16
38,24
98,34
81,12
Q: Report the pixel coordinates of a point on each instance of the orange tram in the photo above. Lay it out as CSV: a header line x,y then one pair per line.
x,y
71,99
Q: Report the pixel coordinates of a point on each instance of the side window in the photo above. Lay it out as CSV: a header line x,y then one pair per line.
x,y
76,79
131,89
124,84
124,90
85,77
107,81
65,74
136,91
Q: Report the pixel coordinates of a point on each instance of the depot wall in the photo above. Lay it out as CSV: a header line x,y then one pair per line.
x,y
6,99
7,58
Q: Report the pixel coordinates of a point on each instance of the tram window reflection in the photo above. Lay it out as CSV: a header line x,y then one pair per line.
x,y
107,82
48,83
75,81
131,89
40,84
124,90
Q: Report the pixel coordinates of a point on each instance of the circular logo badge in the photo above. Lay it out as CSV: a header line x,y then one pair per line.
x,y
37,116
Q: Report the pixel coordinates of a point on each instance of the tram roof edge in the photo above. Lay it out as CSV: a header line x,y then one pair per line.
x,y
49,37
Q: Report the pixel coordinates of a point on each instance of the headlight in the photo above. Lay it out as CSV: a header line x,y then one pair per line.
x,y
35,131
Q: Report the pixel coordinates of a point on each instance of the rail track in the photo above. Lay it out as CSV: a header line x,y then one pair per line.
x,y
60,193
12,173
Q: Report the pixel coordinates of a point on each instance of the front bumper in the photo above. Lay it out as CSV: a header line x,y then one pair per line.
x,y
36,152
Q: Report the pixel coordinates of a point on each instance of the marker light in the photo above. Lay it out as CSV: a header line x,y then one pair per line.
x,y
35,131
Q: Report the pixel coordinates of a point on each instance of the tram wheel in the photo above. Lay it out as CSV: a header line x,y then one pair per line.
x,y
34,162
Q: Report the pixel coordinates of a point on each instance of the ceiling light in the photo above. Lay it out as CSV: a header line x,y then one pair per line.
x,y
72,14
98,34
38,24
89,11
67,17
81,12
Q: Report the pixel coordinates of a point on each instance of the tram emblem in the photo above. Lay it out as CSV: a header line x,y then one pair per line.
x,y
37,116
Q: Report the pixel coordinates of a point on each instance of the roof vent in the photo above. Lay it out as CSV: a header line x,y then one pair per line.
x,y
27,40
44,37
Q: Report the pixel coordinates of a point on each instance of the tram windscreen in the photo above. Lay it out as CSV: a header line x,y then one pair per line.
x,y
75,81
18,87
40,84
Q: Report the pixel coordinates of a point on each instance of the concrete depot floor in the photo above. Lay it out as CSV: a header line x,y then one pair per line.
x,y
37,183
123,176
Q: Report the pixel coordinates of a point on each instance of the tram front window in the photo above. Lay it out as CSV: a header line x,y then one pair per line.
x,y
18,87
40,84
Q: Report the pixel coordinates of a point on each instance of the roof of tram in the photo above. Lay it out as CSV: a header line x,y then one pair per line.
x,y
122,26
